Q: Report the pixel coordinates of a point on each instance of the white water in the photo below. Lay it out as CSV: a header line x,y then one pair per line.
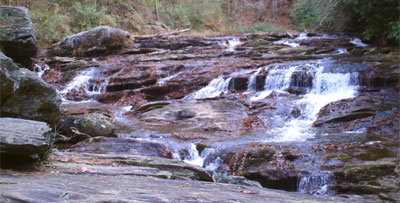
x,y
81,80
358,42
251,87
314,185
230,44
214,89
194,157
162,81
39,69
303,36
327,88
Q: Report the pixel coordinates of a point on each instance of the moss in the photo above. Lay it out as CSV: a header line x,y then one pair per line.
x,y
345,158
375,154
357,173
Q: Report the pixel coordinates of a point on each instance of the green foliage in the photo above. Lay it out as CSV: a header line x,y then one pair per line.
x,y
50,25
259,27
306,14
378,18
192,14
85,17
375,19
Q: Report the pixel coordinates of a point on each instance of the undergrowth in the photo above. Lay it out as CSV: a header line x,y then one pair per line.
x,y
376,20
258,27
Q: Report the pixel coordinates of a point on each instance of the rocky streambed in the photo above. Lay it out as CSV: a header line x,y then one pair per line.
x,y
301,112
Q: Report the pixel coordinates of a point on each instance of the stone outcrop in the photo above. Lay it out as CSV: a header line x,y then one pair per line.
x,y
93,124
22,140
17,34
9,78
125,188
33,100
97,41
122,146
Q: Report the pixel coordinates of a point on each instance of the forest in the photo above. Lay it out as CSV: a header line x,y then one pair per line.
x,y
374,20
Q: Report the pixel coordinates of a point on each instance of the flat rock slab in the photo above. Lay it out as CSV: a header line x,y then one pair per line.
x,y
19,137
47,187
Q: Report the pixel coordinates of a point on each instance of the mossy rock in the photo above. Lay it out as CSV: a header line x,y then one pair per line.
x,y
375,154
368,170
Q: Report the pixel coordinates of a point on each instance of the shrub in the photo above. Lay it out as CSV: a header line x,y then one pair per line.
x,y
85,17
375,19
51,25
259,27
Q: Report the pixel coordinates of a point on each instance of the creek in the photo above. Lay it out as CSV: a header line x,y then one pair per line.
x,y
210,100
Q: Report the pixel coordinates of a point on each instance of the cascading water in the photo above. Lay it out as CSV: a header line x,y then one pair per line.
x,y
327,87
251,87
314,185
39,70
303,36
81,80
230,44
215,88
193,156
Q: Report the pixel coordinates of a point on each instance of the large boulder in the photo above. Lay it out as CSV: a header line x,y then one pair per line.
x,y
17,34
97,41
22,139
9,80
92,124
33,100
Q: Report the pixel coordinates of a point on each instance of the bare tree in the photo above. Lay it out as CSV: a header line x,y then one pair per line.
x,y
156,10
274,10
260,9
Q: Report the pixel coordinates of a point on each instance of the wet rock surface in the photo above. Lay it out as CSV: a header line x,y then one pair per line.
x,y
292,112
17,36
133,188
183,90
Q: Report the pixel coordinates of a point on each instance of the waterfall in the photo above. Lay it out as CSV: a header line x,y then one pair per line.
x,y
358,42
214,89
39,70
162,81
327,88
314,185
230,44
193,158
81,80
279,79
251,87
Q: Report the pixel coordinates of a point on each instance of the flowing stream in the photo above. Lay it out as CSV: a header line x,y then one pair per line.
x,y
314,85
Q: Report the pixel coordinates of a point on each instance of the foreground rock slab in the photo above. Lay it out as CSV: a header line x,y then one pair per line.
x,y
21,138
46,187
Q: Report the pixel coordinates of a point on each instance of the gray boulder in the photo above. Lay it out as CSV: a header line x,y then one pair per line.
x,y
92,124
23,138
33,100
9,80
97,41
17,34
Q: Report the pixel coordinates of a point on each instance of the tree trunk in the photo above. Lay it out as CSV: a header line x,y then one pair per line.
x,y
260,10
156,10
274,9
